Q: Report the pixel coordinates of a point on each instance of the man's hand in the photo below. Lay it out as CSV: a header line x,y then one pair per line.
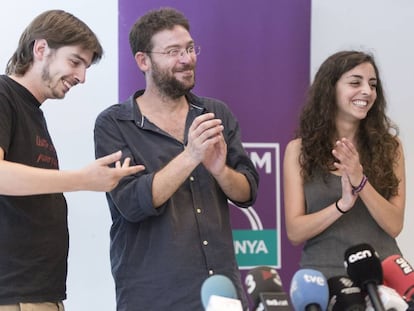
x,y
215,157
100,177
204,133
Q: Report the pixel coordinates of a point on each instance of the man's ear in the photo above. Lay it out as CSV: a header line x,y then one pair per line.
x,y
40,48
143,61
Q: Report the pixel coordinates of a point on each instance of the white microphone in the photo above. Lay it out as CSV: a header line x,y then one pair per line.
x,y
219,294
391,300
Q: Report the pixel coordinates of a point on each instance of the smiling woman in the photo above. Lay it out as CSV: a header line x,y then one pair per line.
x,y
356,93
353,192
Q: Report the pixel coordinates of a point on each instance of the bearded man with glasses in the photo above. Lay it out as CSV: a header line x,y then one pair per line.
x,y
171,224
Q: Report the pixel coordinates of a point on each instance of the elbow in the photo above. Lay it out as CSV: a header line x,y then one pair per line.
x,y
293,235
395,232
294,239
296,242
398,228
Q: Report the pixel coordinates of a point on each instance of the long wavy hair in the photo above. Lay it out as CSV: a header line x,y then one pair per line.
x,y
376,137
58,28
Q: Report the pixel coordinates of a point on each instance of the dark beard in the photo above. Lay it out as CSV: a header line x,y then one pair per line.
x,y
47,79
169,85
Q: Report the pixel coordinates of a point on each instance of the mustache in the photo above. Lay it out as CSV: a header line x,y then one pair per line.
x,y
185,68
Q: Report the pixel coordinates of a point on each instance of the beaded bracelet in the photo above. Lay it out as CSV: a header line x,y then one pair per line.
x,y
337,207
361,185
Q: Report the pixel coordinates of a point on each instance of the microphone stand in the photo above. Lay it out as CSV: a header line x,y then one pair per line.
x,y
374,297
313,307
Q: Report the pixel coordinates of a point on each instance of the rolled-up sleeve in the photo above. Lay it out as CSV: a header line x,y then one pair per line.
x,y
237,157
132,198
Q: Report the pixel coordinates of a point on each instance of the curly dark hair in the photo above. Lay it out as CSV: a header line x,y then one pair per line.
x,y
58,28
151,23
377,134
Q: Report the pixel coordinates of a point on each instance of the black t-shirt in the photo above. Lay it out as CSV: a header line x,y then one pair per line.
x,y
34,236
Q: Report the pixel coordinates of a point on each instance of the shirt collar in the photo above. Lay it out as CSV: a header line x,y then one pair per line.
x,y
129,110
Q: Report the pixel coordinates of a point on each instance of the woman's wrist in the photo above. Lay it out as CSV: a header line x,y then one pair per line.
x,y
339,209
357,189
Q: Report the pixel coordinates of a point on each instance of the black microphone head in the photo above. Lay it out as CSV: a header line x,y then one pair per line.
x,y
363,265
344,295
262,279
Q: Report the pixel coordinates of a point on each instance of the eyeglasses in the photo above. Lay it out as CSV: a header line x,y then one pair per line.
x,y
176,53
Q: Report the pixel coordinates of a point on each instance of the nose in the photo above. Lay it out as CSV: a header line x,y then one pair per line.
x,y
366,89
184,56
80,75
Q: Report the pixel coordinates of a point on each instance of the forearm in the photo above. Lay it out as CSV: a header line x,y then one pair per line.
x,y
167,180
389,215
18,179
304,227
234,184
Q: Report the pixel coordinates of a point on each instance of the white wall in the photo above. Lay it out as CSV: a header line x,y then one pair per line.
x,y
386,29
71,121
381,26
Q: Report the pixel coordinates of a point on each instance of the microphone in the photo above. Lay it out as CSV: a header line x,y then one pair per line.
x,y
309,291
219,294
364,268
391,300
399,275
264,287
344,295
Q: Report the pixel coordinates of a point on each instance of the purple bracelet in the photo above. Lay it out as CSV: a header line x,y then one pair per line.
x,y
361,185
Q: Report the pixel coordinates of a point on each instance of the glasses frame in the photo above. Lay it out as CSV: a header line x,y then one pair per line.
x,y
177,53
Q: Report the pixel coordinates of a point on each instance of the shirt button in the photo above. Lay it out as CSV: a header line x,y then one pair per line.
x,y
198,211
205,242
192,178
211,272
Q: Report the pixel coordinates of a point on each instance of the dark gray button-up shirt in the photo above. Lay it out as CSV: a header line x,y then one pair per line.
x,y
161,256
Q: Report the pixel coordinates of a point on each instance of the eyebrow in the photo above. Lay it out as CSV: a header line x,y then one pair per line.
x,y
191,42
361,77
83,60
